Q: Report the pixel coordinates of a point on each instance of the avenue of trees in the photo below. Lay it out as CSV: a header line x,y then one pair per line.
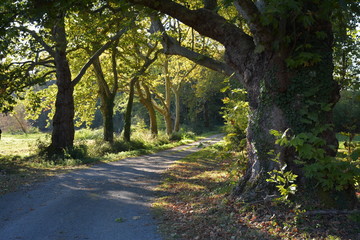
x,y
291,57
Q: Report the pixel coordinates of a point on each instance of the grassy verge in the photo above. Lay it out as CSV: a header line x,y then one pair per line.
x,y
194,203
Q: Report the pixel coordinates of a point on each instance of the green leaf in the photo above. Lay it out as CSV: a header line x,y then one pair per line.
x,y
355,154
120,220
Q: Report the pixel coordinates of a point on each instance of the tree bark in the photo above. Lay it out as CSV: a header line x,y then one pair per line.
x,y
63,121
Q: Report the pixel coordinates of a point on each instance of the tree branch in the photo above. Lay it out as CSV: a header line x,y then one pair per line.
x,y
251,13
114,68
206,22
39,40
97,54
210,4
103,86
172,47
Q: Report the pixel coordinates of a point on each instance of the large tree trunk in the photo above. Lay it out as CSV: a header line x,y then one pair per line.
x,y
107,110
167,115
289,98
63,121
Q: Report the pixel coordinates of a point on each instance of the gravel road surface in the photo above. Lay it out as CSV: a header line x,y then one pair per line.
x,y
109,201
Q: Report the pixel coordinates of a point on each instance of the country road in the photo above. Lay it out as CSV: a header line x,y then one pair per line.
x,y
109,201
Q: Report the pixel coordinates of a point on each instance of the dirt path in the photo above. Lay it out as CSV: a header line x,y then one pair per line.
x,y
106,202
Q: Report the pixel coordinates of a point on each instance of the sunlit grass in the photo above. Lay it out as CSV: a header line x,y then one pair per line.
x,y
20,144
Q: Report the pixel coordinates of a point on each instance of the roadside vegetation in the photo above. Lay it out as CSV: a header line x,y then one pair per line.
x,y
22,160
195,202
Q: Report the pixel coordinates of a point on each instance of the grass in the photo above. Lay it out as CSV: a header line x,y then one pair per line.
x,y
19,144
194,203
21,164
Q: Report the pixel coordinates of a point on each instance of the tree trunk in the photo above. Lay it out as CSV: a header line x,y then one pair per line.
x,y
63,121
107,102
167,115
206,115
281,98
152,115
107,110
127,126
177,110
168,123
147,102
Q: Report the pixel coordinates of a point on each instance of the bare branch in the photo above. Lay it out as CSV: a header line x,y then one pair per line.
x,y
48,73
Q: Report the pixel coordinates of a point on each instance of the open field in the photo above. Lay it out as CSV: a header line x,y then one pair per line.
x,y
20,144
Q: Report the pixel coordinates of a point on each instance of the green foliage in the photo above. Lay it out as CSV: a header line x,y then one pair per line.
x,y
235,112
88,134
346,44
347,112
284,180
74,156
330,172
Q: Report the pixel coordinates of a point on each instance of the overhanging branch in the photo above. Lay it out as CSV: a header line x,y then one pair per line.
x,y
206,22
172,47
